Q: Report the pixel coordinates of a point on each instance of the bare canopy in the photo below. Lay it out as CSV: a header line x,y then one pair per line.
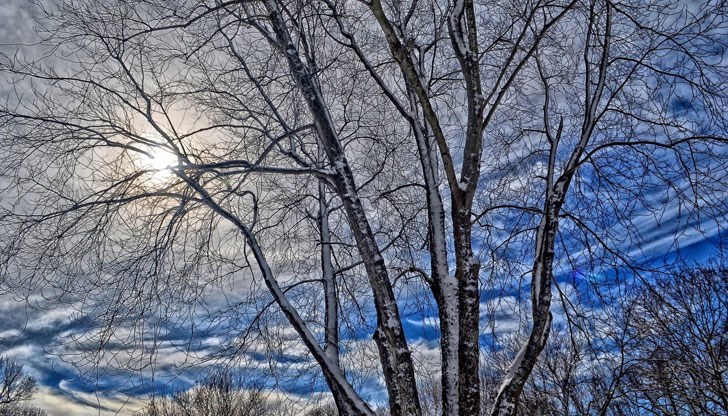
x,y
376,152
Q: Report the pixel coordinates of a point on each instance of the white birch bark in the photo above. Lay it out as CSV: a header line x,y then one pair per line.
x,y
331,301
443,284
394,353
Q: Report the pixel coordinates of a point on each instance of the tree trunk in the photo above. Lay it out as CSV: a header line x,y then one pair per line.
x,y
444,286
467,273
394,353
331,301
506,403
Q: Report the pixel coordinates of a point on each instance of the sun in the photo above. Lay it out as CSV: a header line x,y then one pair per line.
x,y
160,159
158,162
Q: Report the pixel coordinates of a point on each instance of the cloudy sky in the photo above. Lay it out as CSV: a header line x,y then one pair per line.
x,y
30,335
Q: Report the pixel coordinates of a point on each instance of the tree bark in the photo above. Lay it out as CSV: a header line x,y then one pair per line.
x,y
444,286
394,352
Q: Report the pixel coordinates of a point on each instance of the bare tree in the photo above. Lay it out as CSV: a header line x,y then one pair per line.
x,y
325,410
219,393
159,149
575,375
21,410
661,351
680,345
16,386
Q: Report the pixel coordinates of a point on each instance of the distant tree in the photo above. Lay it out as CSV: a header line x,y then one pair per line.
x,y
21,410
662,350
324,410
329,409
219,394
15,385
574,376
679,332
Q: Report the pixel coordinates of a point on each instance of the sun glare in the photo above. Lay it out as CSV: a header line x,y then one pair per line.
x,y
159,162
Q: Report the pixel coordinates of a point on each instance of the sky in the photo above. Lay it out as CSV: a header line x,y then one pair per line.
x,y
38,334
26,334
